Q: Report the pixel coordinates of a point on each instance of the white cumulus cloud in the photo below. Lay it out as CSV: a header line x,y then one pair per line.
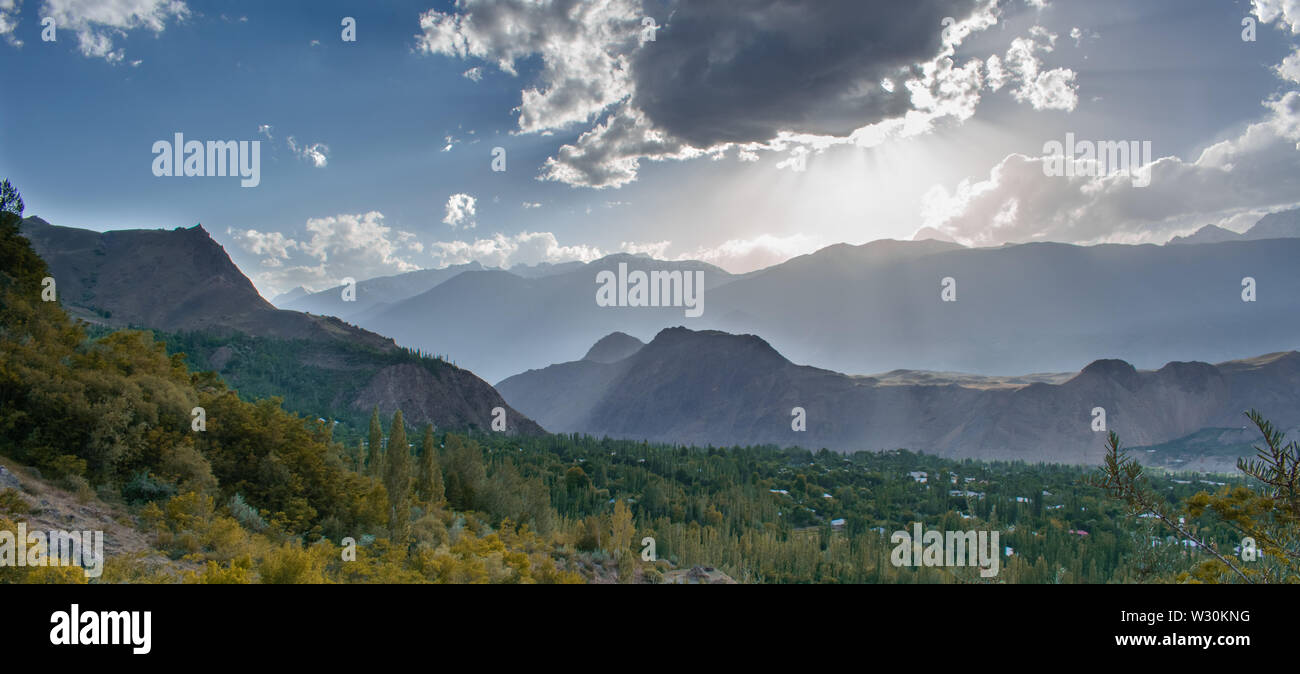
x,y
97,23
501,250
1017,202
332,248
461,209
316,153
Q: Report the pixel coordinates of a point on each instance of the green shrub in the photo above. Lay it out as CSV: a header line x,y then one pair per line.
x,y
144,488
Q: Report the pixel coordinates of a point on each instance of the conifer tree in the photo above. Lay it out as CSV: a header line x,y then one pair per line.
x,y
10,200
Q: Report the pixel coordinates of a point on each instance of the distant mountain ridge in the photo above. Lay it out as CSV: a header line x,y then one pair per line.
x,y
182,282
499,323
709,387
875,307
1281,225
285,297
613,347
376,293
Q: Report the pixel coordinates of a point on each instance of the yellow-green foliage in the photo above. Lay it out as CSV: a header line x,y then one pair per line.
x,y
291,564
116,413
38,575
12,502
236,572
189,527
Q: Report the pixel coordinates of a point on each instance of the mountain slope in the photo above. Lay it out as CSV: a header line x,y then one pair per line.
x,y
1282,225
284,298
1025,308
1285,224
374,293
182,282
498,323
1207,234
711,387
613,347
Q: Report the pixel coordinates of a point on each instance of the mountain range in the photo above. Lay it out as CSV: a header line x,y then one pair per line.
x,y
714,388
1033,307
1282,225
1077,327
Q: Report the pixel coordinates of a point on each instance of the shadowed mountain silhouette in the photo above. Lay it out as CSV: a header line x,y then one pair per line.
x,y
181,280
710,387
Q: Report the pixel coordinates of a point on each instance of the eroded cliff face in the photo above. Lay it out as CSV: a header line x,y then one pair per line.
x,y
451,398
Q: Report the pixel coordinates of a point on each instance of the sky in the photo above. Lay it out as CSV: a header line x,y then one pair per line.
x,y
740,133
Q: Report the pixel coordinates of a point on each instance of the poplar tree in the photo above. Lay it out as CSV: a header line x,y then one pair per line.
x,y
375,457
397,479
430,473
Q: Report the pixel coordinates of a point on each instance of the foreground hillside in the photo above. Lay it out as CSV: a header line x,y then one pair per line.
x,y
715,388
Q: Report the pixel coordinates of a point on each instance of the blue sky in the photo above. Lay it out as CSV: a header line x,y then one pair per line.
x,y
744,134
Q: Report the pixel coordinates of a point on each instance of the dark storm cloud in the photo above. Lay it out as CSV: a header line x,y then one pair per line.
x,y
742,71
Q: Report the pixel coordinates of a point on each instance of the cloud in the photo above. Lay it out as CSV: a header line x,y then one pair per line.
x,y
527,248
1285,12
744,255
582,47
1053,89
655,249
1229,182
9,11
610,155
760,75
734,255
530,248
1289,68
461,209
97,23
316,153
1017,202
271,245
744,72
474,74
359,245
1287,15
265,130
